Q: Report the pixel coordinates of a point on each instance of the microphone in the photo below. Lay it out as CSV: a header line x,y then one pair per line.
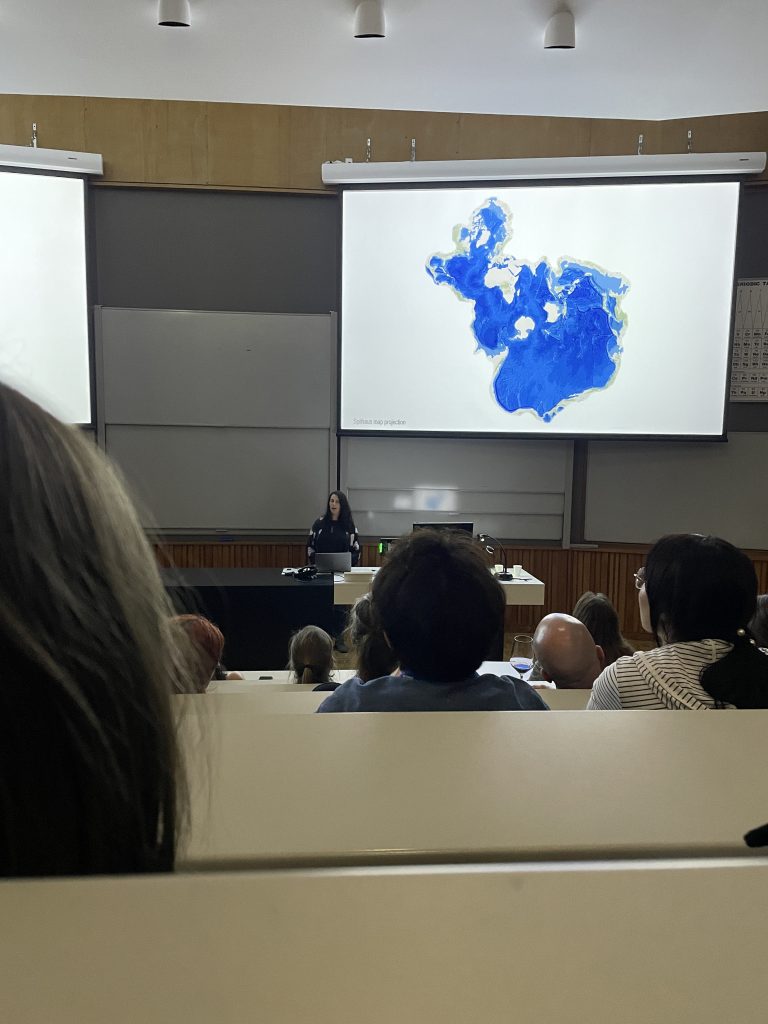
x,y
484,539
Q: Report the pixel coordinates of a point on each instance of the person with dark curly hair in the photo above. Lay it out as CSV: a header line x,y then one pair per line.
x,y
439,608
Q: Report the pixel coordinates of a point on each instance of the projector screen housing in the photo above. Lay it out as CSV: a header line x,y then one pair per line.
x,y
45,333
538,310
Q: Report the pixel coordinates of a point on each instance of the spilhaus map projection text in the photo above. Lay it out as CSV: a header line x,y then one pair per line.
x,y
556,327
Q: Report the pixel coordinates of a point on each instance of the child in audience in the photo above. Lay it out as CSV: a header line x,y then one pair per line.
x,y
697,596
375,657
208,647
310,658
758,624
89,765
440,609
602,620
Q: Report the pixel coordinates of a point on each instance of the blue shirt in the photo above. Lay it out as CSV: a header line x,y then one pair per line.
x,y
404,693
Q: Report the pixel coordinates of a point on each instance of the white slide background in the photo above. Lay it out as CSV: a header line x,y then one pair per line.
x,y
408,352
43,294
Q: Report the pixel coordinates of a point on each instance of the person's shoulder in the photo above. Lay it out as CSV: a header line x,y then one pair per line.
x,y
356,695
517,692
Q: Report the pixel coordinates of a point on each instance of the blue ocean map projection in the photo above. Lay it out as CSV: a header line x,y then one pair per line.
x,y
557,327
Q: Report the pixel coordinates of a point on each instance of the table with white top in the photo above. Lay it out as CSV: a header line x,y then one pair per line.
x,y
348,586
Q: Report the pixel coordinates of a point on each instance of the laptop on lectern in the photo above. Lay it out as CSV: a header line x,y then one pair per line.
x,y
333,561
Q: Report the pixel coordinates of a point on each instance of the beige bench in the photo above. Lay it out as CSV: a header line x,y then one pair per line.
x,y
284,699
667,943
335,789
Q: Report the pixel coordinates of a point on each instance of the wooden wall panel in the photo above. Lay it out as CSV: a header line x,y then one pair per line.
x,y
60,121
489,136
612,137
566,573
115,128
175,137
729,133
244,145
248,146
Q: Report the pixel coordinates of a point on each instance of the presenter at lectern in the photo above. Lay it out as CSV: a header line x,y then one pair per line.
x,y
335,531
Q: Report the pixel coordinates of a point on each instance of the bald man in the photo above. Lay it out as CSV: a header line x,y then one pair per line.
x,y
566,652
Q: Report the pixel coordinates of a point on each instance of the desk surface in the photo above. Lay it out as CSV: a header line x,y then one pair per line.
x,y
220,578
667,943
276,789
527,591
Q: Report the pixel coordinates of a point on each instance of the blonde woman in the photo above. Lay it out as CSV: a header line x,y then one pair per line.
x,y
89,767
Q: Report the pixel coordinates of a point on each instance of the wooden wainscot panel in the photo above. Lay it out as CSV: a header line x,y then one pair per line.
x,y
611,138
116,129
60,121
244,143
496,136
732,133
175,140
303,146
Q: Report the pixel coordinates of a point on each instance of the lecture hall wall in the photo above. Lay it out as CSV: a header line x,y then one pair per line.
x,y
245,147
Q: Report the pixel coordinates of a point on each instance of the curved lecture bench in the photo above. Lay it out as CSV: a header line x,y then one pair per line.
x,y
283,699
625,943
277,789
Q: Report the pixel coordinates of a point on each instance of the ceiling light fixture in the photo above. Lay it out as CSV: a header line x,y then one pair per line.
x,y
369,20
560,33
174,13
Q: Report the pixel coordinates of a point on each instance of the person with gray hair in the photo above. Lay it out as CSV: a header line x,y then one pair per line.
x,y
566,652
91,775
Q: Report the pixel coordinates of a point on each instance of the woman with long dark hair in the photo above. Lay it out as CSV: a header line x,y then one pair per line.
x,y
602,620
697,596
89,657
334,531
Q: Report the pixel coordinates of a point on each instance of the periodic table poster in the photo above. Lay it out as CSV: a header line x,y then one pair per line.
x,y
749,367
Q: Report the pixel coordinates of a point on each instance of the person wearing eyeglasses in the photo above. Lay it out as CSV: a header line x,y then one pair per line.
x,y
696,596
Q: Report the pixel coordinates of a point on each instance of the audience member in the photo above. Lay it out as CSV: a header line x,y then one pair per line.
x,y
89,767
310,658
439,608
758,624
696,596
207,642
566,652
374,656
602,620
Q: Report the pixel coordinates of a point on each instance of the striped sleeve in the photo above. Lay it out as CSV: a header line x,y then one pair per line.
x,y
605,694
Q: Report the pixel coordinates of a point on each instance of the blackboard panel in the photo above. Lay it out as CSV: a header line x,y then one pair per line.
x,y
638,492
217,369
511,489
169,249
224,478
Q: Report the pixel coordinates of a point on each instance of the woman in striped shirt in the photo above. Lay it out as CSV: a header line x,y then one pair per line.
x,y
696,596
